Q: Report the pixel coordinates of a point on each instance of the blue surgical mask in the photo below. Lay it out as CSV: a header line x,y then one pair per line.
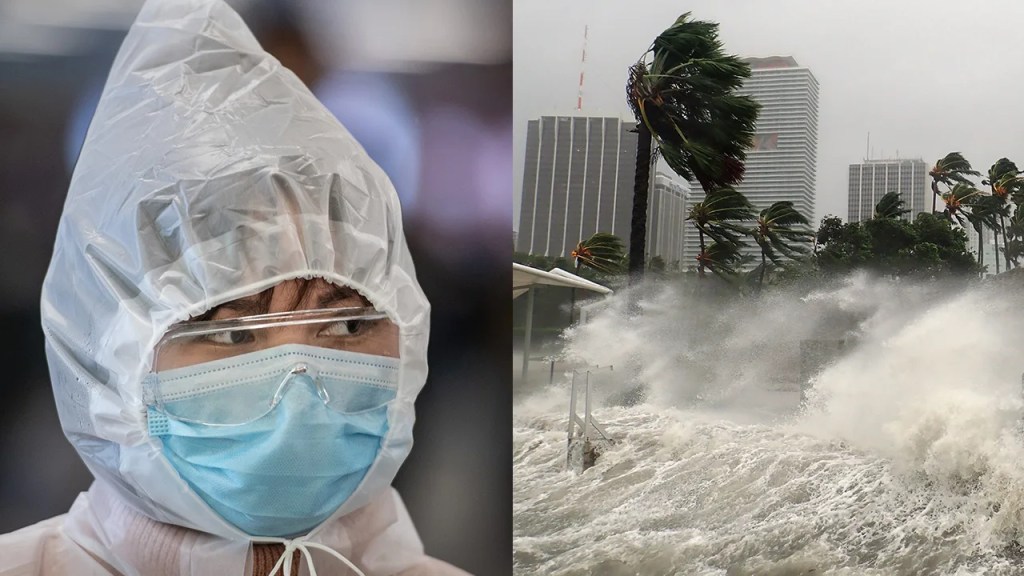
x,y
286,471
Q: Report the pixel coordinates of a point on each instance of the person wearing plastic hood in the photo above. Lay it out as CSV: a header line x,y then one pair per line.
x,y
233,325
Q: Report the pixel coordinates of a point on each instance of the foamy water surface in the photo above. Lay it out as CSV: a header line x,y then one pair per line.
x,y
907,459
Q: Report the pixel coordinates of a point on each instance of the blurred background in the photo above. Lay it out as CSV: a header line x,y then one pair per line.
x,y
426,86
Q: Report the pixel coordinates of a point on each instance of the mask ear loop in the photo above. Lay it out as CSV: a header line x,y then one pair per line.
x,y
290,546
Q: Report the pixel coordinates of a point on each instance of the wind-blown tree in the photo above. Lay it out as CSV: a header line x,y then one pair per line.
x,y
781,232
929,246
985,212
950,170
682,92
958,201
1002,212
601,252
1015,226
723,259
719,218
890,205
1003,181
983,215
1014,245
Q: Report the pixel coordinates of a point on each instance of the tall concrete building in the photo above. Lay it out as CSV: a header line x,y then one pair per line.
x,y
781,164
577,180
872,179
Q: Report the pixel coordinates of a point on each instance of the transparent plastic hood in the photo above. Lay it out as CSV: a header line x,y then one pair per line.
x,y
209,173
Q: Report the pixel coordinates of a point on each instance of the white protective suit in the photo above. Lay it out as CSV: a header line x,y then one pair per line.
x,y
209,173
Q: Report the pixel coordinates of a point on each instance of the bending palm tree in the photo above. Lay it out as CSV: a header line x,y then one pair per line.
x,y
964,201
1015,229
722,258
1014,238
951,169
716,217
682,93
1000,212
890,206
1004,182
781,231
981,216
602,252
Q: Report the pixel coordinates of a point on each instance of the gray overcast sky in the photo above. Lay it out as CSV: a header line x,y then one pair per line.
x,y
925,77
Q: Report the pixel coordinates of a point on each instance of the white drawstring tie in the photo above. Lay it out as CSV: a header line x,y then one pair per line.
x,y
290,546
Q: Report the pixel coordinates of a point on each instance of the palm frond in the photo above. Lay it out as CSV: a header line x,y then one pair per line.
x,y
782,232
951,169
958,198
890,206
602,252
683,90
722,259
1003,168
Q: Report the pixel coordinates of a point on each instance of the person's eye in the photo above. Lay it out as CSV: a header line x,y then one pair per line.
x,y
231,337
344,328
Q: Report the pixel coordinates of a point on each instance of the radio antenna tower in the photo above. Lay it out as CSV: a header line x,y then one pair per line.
x,y
583,68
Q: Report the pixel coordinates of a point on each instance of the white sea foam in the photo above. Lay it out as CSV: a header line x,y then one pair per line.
x,y
907,460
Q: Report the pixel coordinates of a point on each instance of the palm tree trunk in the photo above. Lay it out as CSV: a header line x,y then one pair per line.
x,y
1002,228
981,249
995,238
760,281
935,194
572,301
638,224
700,259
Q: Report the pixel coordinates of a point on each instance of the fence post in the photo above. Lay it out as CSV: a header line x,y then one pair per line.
x,y
529,332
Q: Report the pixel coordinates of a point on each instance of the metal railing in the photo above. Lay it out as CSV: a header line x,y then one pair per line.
x,y
582,428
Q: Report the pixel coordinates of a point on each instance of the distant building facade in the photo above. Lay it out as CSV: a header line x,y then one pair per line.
x,y
872,179
782,163
577,180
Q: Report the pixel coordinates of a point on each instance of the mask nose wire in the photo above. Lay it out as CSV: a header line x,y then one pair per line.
x,y
284,563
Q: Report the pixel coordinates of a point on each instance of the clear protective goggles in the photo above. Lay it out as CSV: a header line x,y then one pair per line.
x,y
364,330
200,366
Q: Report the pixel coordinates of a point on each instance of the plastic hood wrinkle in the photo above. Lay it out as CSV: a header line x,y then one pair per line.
x,y
209,172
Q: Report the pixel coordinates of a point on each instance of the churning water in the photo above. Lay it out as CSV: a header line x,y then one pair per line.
x,y
907,458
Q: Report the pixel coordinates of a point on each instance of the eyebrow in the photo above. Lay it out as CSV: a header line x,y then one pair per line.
x,y
247,306
338,294
251,305
260,303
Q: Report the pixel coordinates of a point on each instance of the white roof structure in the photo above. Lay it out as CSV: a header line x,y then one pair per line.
x,y
525,277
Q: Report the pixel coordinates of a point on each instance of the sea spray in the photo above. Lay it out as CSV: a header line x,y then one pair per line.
x,y
907,458
938,393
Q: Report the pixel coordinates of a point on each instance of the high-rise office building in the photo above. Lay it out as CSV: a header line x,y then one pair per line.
x,y
577,180
781,163
872,179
